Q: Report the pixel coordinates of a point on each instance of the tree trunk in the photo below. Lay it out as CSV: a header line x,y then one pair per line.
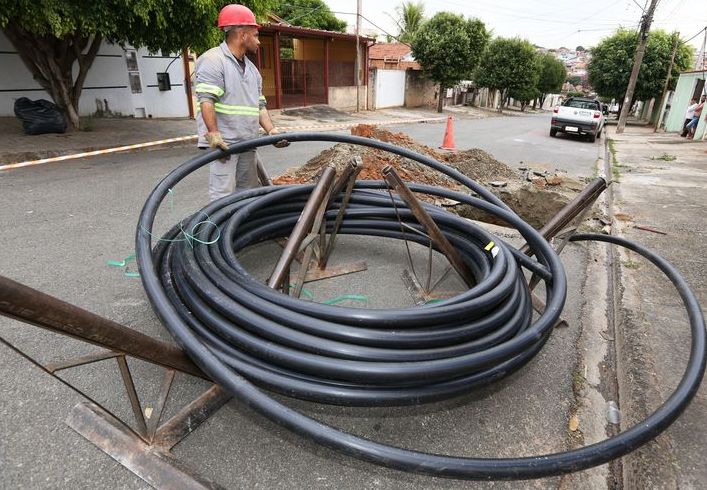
x,y
522,106
440,99
502,97
51,61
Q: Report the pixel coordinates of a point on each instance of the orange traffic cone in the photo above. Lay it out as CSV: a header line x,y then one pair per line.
x,y
448,143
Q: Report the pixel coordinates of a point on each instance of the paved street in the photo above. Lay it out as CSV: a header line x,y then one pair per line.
x,y
67,219
518,141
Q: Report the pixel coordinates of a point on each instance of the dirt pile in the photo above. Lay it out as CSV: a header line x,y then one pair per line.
x,y
474,163
535,195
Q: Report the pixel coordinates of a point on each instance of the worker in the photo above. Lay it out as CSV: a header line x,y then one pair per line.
x,y
231,103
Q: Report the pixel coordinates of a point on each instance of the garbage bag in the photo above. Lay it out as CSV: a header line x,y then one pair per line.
x,y
39,116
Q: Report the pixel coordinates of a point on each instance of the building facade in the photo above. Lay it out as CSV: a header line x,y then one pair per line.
x,y
121,82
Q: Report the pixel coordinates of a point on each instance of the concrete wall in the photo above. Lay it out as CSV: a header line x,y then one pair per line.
x,y
344,98
420,91
107,82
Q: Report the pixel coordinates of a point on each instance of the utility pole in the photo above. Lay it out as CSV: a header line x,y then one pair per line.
x,y
667,82
640,51
358,56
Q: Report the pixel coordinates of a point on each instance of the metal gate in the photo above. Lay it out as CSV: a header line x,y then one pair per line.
x,y
390,88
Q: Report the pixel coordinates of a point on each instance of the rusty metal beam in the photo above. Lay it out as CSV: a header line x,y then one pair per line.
x,y
346,179
436,235
263,175
132,396
156,415
156,467
53,367
316,274
571,210
28,305
190,417
302,228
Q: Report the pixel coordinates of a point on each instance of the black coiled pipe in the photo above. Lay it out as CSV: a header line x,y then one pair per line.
x,y
240,332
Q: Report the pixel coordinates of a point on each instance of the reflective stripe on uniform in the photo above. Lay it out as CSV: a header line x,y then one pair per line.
x,y
234,110
242,110
208,89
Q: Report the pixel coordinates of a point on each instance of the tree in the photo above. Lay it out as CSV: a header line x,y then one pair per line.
x,y
575,80
448,48
612,61
525,95
509,65
410,18
552,76
314,14
53,36
580,49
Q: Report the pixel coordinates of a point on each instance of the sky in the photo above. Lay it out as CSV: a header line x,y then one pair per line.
x,y
547,23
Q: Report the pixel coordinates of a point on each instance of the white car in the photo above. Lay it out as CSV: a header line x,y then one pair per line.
x,y
580,116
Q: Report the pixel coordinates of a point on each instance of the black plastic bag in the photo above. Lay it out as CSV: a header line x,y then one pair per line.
x,y
39,116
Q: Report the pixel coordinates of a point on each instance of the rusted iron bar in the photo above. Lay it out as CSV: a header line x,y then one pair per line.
x,y
53,367
263,175
154,419
572,209
319,224
302,228
31,306
425,220
133,397
348,179
155,466
190,417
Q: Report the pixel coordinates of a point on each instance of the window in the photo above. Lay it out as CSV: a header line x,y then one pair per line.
x,y
583,104
133,71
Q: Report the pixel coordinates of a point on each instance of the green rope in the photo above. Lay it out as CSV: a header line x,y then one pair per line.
x,y
346,297
188,237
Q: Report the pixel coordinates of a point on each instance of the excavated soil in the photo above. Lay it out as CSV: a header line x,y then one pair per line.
x,y
535,195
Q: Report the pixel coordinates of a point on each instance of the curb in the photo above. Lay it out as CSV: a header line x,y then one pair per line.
x,y
149,144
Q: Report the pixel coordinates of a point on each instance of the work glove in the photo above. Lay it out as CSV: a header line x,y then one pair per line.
x,y
216,142
283,143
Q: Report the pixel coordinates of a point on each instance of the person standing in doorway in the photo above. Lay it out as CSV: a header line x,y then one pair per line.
x,y
689,114
692,126
232,107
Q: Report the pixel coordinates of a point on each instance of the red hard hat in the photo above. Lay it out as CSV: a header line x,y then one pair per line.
x,y
236,15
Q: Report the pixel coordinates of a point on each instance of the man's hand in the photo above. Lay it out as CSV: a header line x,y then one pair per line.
x,y
216,142
281,143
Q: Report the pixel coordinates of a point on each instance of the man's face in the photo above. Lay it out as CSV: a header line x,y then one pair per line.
x,y
250,39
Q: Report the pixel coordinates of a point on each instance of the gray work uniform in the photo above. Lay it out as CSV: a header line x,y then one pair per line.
x,y
236,92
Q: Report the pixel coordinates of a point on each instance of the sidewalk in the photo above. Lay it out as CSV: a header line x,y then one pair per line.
x,y
661,181
105,133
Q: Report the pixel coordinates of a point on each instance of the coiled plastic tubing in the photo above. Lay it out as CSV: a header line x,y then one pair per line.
x,y
252,339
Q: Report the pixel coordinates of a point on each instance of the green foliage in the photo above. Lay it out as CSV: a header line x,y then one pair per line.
x,y
575,80
410,17
155,24
448,47
552,74
314,14
612,61
53,36
510,65
580,49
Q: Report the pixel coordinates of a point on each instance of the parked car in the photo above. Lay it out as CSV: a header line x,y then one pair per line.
x,y
581,116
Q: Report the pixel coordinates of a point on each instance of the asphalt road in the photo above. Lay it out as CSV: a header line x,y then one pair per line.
x,y
62,222
518,141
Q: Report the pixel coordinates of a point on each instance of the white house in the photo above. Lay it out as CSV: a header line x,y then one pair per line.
x,y
122,81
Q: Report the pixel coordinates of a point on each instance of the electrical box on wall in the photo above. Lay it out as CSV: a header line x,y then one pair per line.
x,y
163,82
